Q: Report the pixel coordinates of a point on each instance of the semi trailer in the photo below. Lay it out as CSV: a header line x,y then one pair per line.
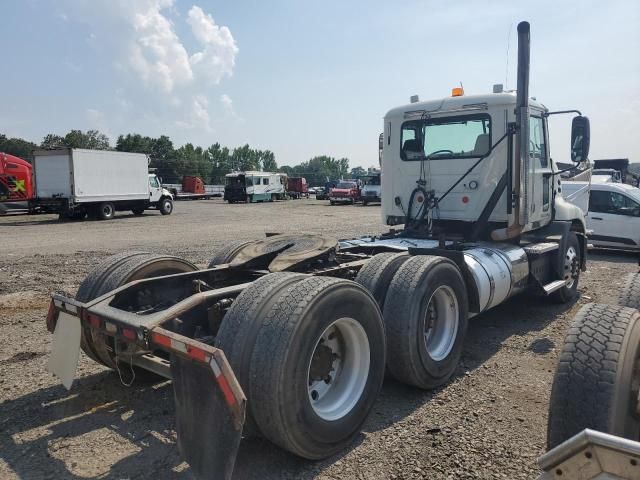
x,y
76,183
289,337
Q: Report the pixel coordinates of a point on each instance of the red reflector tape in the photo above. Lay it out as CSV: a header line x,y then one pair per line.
x,y
197,354
93,320
226,390
222,383
161,340
129,333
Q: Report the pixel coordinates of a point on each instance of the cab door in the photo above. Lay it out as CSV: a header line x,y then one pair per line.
x,y
540,169
155,189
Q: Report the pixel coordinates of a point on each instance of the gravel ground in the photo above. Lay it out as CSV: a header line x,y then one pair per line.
x,y
488,422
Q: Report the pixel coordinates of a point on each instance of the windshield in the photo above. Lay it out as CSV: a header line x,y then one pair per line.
x,y
346,185
372,181
451,137
235,181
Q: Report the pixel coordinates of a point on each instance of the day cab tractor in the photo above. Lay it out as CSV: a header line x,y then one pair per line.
x,y
16,179
289,337
345,191
371,189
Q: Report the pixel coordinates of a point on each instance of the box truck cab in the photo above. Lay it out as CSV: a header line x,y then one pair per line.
x,y
76,183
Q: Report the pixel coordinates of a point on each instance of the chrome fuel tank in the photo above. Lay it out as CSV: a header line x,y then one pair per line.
x,y
498,270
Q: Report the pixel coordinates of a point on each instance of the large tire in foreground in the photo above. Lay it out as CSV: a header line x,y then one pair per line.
x,y
596,382
630,293
227,253
317,366
112,273
377,273
239,328
425,316
570,271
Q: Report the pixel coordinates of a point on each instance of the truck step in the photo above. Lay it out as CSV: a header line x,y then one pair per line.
x,y
540,248
549,288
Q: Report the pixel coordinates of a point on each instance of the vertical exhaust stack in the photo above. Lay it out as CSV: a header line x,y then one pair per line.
x,y
521,161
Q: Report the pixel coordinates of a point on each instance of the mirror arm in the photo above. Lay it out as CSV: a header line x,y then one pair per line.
x,y
558,112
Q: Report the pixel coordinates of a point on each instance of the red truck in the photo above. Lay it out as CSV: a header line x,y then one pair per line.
x,y
16,179
346,191
297,187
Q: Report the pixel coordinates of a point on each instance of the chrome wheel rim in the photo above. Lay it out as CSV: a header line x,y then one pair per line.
x,y
441,323
570,266
167,206
338,369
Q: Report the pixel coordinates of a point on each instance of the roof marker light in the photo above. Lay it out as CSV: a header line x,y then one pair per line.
x,y
457,92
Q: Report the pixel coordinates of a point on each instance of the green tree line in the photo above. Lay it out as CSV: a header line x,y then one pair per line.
x,y
211,163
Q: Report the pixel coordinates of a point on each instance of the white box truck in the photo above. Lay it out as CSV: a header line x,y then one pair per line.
x,y
76,183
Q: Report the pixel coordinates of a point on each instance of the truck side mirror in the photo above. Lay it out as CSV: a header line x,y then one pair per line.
x,y
580,139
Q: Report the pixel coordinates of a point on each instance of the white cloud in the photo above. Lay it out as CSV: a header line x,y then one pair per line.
x,y
156,52
227,105
218,56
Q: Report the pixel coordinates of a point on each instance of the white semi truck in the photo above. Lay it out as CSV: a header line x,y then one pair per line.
x,y
290,336
76,183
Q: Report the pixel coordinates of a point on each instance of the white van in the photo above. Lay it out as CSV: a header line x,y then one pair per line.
x,y
614,213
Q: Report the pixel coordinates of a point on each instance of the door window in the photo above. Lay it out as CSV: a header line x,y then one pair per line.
x,y
153,181
614,203
265,181
537,147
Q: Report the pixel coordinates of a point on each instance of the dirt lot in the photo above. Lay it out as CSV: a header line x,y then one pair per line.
x,y
489,422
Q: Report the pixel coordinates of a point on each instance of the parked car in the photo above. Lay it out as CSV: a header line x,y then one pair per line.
x,y
613,213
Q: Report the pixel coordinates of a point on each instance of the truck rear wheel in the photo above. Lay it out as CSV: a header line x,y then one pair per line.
x,y
239,328
227,253
598,376
106,211
630,293
377,273
570,272
114,272
425,315
166,206
317,366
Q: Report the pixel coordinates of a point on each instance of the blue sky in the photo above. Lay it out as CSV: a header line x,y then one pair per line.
x,y
307,78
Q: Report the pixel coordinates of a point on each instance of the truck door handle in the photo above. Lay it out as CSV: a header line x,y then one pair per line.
x,y
596,218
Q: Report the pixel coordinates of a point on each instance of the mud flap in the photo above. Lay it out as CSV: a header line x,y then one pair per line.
x,y
208,438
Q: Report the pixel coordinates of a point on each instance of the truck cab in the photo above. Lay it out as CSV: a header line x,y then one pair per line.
x,y
371,189
456,152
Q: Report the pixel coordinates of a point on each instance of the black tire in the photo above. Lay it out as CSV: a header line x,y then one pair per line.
x,y
377,273
137,210
595,385
165,206
331,202
239,329
364,203
630,293
112,273
106,211
571,269
408,299
227,253
281,365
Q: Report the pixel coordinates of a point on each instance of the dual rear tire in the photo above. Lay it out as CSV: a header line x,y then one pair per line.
x,y
424,300
310,354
